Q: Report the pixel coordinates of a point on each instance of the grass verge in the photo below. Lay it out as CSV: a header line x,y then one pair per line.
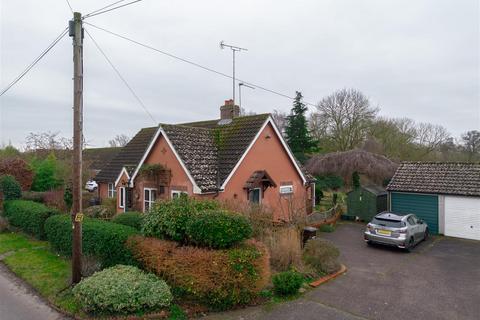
x,y
45,271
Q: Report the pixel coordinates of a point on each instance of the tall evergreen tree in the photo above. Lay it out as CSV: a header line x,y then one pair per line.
x,y
297,135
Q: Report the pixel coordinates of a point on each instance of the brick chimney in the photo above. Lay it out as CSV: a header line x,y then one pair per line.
x,y
229,110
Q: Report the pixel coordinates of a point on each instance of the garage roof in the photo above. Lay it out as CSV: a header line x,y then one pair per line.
x,y
452,178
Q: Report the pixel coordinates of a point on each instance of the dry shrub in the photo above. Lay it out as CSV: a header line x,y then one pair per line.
x,y
19,169
3,224
111,204
285,248
322,255
99,212
54,199
219,278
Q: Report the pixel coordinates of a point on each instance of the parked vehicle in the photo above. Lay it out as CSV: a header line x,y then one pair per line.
x,y
402,231
91,185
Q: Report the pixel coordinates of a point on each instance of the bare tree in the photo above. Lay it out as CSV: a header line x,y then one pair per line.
x,y
431,136
47,141
471,143
280,119
345,117
120,140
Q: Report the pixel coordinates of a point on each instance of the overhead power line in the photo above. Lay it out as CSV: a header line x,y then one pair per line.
x,y
101,11
69,5
120,76
194,63
37,59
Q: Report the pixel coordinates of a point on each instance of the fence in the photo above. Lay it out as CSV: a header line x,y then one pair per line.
x,y
316,219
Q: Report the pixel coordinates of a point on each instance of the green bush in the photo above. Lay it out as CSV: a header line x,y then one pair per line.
x,y
329,182
29,216
47,175
168,219
327,228
10,188
322,255
287,283
102,239
132,219
122,289
217,229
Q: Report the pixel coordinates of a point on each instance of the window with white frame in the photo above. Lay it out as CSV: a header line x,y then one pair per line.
x,y
177,193
255,195
149,197
286,189
121,202
112,192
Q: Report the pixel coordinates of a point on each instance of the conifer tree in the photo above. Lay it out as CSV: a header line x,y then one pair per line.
x,y
297,134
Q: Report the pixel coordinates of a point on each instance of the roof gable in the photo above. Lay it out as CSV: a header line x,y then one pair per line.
x,y
435,177
129,155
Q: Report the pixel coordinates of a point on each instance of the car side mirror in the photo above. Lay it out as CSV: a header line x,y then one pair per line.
x,y
420,221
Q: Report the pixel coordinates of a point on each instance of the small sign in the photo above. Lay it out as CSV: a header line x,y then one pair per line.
x,y
286,189
79,217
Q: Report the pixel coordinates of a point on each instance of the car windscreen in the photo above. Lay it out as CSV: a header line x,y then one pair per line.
x,y
388,223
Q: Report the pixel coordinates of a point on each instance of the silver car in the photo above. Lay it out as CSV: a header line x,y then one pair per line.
x,y
402,231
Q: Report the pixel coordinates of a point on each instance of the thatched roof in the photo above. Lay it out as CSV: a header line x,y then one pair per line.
x,y
374,166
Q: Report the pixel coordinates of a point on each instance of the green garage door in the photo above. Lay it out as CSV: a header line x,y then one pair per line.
x,y
423,206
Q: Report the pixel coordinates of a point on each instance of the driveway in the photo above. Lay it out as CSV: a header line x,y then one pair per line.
x,y
439,279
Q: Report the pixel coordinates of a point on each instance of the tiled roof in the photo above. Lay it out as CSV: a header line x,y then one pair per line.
x,y
97,158
197,150
232,140
209,149
435,177
130,155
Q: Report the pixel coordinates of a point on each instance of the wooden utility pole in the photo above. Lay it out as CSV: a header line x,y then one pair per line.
x,y
76,31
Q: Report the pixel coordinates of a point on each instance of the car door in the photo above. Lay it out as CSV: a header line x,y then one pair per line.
x,y
418,229
413,227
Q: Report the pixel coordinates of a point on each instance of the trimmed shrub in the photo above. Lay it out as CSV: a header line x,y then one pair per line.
x,y
322,255
219,278
101,239
28,216
33,196
100,211
217,229
287,283
168,219
10,188
122,289
132,219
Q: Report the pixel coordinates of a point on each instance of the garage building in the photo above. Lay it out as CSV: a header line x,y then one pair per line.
x,y
445,195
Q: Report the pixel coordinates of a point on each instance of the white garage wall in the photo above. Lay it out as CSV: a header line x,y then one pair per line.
x,y
462,217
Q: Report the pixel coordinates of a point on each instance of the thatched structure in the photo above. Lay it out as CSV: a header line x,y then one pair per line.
x,y
374,167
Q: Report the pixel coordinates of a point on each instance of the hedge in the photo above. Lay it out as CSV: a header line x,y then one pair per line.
x,y
217,229
219,278
101,239
132,219
29,216
168,219
122,289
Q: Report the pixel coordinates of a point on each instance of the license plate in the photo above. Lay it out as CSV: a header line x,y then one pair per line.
x,y
384,232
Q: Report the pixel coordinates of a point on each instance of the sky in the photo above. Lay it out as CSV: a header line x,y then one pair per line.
x,y
413,58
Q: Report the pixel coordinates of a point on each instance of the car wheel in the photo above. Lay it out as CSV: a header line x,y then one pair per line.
x,y
425,235
410,245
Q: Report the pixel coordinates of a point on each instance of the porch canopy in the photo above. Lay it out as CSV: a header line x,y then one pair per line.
x,y
259,179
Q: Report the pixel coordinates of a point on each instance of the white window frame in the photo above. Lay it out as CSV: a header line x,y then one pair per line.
x,y
178,192
260,194
111,192
290,186
150,201
121,204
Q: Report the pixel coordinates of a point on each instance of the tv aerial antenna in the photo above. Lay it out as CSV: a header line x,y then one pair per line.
x,y
234,49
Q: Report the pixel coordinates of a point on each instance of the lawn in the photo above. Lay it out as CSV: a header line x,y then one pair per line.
x,y
34,262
